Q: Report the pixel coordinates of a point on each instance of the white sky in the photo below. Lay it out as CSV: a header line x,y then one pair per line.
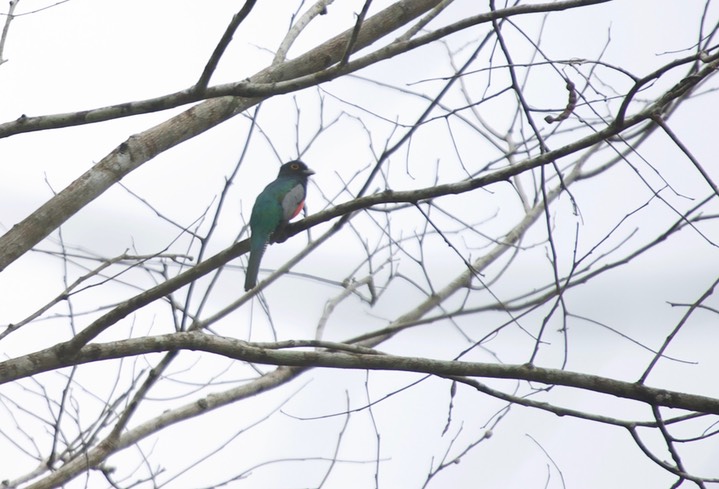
x,y
85,54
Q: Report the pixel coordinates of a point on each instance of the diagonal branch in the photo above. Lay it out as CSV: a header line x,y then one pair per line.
x,y
222,45
262,87
140,148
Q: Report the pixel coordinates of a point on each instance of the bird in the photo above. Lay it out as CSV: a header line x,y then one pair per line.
x,y
280,201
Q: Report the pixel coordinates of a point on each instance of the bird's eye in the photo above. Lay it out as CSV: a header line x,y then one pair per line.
x,y
295,166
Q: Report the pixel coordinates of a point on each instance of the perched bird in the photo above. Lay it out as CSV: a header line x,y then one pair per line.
x,y
279,202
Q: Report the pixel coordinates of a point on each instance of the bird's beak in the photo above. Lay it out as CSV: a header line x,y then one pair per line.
x,y
308,172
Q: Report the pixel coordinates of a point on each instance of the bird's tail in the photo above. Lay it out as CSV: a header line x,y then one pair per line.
x,y
253,266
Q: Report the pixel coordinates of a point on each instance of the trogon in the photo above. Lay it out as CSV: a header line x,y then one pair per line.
x,y
279,202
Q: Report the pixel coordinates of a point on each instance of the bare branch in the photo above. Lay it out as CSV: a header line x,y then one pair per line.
x,y
244,351
222,45
6,28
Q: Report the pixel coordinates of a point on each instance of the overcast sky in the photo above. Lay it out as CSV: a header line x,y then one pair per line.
x,y
84,54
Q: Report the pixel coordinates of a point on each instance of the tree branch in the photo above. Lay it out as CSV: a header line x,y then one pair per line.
x,y
140,148
249,352
222,45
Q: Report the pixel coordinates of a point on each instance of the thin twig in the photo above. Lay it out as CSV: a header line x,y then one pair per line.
x,y
237,19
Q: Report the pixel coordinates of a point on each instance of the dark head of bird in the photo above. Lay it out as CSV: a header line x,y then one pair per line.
x,y
295,167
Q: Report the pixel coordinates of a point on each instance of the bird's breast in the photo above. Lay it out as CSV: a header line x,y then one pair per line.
x,y
293,201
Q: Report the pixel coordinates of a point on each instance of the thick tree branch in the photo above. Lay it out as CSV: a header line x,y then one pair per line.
x,y
286,82
140,148
249,352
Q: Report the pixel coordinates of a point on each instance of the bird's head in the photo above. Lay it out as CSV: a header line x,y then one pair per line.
x,y
295,168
